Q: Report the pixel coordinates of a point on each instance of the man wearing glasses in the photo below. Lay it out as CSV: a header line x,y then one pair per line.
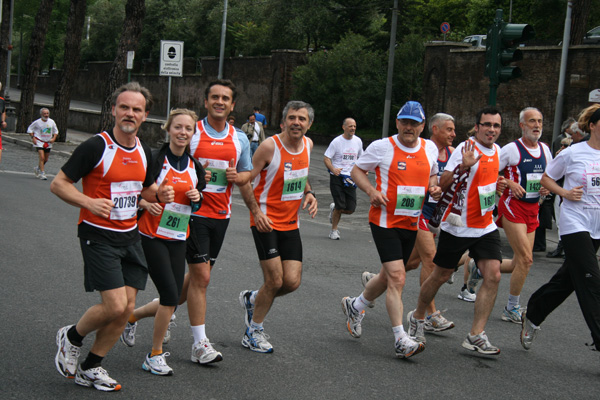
x,y
472,227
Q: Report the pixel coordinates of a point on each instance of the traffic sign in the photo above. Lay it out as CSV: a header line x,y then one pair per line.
x,y
445,27
171,58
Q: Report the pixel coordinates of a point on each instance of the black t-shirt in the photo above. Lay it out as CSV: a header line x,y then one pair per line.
x,y
83,160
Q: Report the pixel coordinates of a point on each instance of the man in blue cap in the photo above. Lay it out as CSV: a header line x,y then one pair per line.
x,y
406,169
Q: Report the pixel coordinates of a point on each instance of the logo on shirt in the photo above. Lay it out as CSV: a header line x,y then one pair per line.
x,y
127,160
409,156
527,160
287,166
216,143
402,165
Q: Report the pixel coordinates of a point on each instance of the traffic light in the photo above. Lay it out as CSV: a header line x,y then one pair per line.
x,y
501,50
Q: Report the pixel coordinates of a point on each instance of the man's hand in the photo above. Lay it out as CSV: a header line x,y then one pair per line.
x,y
100,207
378,199
468,155
435,192
207,173
311,201
231,172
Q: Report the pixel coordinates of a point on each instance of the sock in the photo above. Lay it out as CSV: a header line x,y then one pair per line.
x,y
199,332
253,296
92,361
360,303
255,326
399,332
155,352
513,301
74,337
464,287
132,319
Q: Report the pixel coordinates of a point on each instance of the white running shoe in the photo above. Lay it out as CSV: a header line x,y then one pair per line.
x,y
467,295
257,341
43,176
67,354
157,364
406,347
416,328
334,235
128,335
437,323
98,378
331,208
172,324
244,299
204,353
481,344
354,318
36,171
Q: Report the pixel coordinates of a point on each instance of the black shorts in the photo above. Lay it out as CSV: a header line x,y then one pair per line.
x,y
45,150
393,243
205,240
166,264
344,197
284,244
109,267
451,248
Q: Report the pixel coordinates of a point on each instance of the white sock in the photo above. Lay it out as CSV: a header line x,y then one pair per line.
x,y
255,326
360,303
399,332
513,301
253,296
199,332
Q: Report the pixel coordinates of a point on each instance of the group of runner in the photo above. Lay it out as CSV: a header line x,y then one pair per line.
x,y
179,200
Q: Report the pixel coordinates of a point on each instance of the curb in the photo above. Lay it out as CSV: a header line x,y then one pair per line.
x,y
27,143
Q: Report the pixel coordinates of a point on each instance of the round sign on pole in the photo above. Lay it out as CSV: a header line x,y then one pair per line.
x,y
445,27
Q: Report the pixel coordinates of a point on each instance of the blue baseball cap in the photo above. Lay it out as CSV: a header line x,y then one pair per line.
x,y
412,110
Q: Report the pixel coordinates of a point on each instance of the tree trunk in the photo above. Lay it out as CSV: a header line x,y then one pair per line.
x,y
135,11
62,96
32,66
580,17
4,42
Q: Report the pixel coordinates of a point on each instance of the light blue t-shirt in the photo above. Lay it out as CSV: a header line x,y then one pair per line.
x,y
245,161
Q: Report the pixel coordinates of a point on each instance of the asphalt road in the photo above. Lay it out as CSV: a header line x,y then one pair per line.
x,y
314,357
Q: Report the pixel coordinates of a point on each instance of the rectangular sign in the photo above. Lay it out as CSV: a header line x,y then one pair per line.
x,y
171,58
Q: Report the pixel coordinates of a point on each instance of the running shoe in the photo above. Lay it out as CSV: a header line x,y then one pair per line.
x,y
513,315
416,328
67,354
128,335
257,341
331,208
354,318
467,295
450,280
474,276
366,277
437,323
248,307
36,171
172,324
334,235
481,344
528,331
204,353
98,378
43,176
407,347
157,364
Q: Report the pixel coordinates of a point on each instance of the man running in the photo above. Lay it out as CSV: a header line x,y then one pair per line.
x,y
280,176
114,170
43,132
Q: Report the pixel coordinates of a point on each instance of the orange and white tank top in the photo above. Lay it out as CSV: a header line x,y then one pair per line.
x,y
279,187
173,223
218,153
119,176
404,178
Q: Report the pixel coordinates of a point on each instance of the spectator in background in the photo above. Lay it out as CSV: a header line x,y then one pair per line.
x,y
260,118
255,133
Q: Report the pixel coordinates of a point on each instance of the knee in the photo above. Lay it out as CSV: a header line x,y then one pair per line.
x,y
396,279
200,277
493,277
274,283
290,286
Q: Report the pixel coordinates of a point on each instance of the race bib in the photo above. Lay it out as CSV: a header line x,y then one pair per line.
x,y
533,186
592,177
294,183
409,200
487,197
218,175
124,195
174,221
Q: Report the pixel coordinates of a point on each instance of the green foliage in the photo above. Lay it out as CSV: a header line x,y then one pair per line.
x,y
346,81
106,22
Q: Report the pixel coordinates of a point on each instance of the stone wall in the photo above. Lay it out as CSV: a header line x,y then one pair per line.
x,y
454,83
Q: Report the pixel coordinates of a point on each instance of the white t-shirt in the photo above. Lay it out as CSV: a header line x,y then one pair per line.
x,y
453,162
509,154
381,152
344,153
43,130
580,165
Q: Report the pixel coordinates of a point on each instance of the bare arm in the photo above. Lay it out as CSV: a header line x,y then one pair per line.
x,y
329,165
263,223
65,189
574,194
359,176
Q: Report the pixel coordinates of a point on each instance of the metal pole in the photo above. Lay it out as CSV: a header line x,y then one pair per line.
x,y
223,31
560,95
168,107
8,62
390,73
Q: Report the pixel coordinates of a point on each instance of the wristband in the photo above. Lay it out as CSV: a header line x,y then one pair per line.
x,y
311,192
157,196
